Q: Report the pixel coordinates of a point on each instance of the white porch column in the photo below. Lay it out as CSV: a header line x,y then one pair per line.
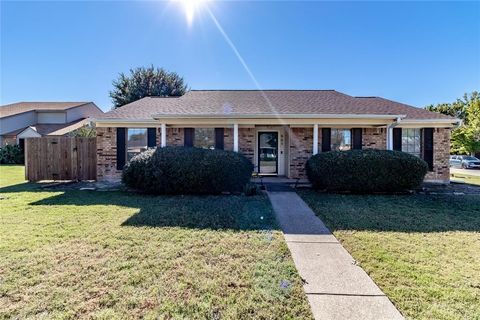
x,y
163,135
315,139
235,137
389,137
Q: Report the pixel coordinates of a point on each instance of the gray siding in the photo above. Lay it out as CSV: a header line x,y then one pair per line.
x,y
88,110
18,121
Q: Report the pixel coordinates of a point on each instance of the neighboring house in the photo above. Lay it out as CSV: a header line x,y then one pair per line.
x,y
37,119
278,130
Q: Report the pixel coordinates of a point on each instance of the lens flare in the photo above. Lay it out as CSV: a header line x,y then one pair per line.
x,y
190,7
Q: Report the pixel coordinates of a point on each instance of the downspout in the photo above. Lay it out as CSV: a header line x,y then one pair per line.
x,y
458,124
390,132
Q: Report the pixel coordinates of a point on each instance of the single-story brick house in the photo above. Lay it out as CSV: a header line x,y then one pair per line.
x,y
278,130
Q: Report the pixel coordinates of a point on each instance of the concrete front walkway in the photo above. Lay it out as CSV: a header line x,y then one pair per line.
x,y
335,286
469,172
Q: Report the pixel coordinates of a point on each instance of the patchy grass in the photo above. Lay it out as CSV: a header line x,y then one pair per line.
x,y
423,251
107,255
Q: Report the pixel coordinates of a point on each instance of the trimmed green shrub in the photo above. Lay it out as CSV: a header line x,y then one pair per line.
x,y
251,189
366,171
180,170
11,154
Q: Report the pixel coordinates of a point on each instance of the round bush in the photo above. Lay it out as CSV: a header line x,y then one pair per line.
x,y
179,170
11,154
366,171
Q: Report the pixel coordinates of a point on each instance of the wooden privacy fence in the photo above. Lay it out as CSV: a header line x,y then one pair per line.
x,y
60,158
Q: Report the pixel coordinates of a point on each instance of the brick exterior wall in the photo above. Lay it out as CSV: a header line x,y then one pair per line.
x,y
301,145
107,154
9,140
228,139
374,138
441,156
300,150
246,142
175,137
158,139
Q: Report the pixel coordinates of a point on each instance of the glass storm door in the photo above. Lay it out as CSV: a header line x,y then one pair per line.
x,y
268,152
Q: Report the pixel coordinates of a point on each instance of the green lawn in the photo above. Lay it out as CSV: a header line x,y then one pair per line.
x,y
422,250
107,255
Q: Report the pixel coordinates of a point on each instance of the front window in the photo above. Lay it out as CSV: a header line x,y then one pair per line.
x,y
136,142
204,138
341,139
411,141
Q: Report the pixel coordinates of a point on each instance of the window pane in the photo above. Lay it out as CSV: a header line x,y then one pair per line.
x,y
268,152
411,141
341,139
136,142
204,138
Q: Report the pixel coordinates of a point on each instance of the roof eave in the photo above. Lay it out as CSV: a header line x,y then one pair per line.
x,y
122,120
430,120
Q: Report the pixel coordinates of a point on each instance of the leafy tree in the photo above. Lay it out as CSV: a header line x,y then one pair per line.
x,y
85,131
145,82
466,138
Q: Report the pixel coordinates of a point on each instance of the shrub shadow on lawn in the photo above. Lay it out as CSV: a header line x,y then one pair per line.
x,y
21,187
196,212
396,213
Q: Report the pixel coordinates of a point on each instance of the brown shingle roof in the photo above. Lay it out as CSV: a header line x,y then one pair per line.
x,y
56,129
274,102
385,106
21,107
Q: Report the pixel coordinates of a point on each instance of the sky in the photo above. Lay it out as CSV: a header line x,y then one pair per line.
x,y
418,53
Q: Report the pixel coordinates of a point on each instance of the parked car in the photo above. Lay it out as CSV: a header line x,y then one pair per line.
x,y
464,162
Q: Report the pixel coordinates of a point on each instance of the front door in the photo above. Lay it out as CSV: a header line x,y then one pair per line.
x,y
268,152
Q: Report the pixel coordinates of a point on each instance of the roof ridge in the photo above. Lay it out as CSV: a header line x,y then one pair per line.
x,y
50,102
46,102
263,90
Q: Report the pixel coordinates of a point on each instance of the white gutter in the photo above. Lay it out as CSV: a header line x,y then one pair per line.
x,y
248,116
415,121
458,124
117,120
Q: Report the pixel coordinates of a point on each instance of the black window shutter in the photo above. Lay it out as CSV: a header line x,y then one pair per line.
x,y
428,147
151,137
121,144
326,139
397,139
188,139
219,138
357,138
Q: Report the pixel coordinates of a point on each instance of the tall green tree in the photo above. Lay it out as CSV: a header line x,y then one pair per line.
x,y
146,82
466,138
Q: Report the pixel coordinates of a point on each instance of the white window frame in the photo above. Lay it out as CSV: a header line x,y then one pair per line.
x,y
195,137
350,145
408,141
142,148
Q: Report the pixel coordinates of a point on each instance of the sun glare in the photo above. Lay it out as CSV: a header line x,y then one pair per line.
x,y
190,7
